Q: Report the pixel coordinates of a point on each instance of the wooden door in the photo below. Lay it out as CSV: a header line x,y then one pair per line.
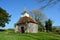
x,y
22,29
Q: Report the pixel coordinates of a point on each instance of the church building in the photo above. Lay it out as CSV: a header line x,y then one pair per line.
x,y
26,24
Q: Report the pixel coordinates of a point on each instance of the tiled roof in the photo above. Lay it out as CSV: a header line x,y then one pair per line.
x,y
26,19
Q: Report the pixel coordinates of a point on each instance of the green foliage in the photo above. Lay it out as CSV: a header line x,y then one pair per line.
x,y
40,26
48,25
4,17
53,29
14,25
58,31
10,29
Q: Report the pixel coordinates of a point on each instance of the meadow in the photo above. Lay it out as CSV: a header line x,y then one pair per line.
x,y
28,36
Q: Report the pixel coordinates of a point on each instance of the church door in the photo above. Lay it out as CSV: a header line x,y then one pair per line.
x,y
22,29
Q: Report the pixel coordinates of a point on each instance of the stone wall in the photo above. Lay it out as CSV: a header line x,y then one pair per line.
x,y
33,28
30,28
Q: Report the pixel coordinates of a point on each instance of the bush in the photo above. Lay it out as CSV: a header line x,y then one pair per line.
x,y
2,30
58,31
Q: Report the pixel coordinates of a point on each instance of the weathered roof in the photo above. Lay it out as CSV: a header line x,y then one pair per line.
x,y
26,19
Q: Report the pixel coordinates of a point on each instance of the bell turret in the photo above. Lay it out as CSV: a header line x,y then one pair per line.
x,y
25,13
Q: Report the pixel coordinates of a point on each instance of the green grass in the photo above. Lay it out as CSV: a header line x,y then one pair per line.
x,y
28,36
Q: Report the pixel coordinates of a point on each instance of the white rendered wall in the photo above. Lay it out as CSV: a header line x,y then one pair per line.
x,y
16,28
33,28
26,14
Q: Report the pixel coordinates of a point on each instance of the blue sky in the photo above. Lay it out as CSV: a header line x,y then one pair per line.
x,y
15,7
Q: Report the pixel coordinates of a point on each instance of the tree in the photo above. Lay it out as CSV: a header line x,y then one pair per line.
x,y
40,26
46,3
39,17
48,25
54,29
4,17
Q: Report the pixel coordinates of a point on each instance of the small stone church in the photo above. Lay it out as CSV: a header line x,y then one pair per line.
x,y
26,24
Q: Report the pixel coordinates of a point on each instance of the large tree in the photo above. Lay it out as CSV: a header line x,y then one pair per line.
x,y
48,25
4,17
39,17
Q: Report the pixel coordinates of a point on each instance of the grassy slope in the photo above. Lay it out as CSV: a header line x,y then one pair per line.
x,y
30,36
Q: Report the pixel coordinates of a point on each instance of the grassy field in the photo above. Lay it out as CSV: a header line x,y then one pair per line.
x,y
28,36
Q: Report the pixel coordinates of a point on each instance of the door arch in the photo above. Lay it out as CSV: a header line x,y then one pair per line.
x,y
22,30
